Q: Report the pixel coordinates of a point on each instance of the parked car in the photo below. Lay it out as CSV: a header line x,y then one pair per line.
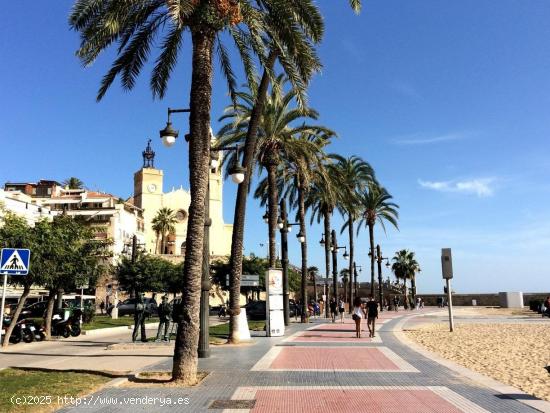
x,y
35,310
255,310
128,307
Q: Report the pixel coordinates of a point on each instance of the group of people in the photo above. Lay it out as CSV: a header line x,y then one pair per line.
x,y
361,310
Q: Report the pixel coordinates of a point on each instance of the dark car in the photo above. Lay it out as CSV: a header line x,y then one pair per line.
x,y
128,307
255,310
35,310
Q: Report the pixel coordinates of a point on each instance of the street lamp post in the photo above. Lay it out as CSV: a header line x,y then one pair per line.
x,y
169,136
284,262
326,246
379,258
355,275
334,248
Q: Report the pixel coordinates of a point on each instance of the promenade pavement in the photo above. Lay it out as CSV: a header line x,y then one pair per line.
x,y
318,367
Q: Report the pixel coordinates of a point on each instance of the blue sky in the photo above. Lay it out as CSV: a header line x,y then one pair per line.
x,y
449,101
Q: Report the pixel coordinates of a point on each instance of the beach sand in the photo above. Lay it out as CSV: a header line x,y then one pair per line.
x,y
514,354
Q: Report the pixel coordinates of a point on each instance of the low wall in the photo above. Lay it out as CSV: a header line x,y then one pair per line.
x,y
487,300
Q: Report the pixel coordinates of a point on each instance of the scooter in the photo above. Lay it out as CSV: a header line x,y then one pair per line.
x,y
21,331
60,327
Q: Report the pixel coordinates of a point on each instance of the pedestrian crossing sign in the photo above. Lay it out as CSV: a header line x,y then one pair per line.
x,y
15,261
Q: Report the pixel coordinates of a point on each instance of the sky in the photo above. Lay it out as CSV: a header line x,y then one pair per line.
x,y
448,101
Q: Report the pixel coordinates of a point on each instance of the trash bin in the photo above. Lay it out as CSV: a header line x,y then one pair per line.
x,y
474,303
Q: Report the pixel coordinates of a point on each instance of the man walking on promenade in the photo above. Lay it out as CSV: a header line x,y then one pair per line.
x,y
372,315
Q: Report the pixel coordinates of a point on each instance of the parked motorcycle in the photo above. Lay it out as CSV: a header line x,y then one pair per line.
x,y
68,327
23,331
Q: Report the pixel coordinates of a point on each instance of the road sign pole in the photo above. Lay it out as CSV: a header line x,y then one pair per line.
x,y
3,304
450,305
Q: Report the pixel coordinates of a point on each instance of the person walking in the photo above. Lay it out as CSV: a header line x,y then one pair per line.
x,y
396,303
341,310
102,307
358,315
333,309
372,315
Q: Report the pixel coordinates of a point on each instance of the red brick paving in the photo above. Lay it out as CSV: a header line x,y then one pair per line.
x,y
346,400
330,337
324,358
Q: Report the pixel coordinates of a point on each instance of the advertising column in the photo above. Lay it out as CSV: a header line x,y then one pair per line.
x,y
274,303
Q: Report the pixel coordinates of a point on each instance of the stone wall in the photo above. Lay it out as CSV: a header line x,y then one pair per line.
x,y
487,300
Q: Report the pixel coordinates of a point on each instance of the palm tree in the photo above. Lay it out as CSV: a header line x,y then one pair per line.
x,y
276,140
404,267
354,174
321,201
377,207
313,271
73,183
294,173
164,223
135,26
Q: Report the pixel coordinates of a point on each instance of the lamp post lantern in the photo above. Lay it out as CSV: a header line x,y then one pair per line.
x,y
237,172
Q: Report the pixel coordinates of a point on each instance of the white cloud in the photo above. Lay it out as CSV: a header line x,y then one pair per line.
x,y
418,139
482,187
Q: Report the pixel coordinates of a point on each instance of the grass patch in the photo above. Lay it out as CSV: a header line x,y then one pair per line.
x,y
219,333
22,384
105,321
222,330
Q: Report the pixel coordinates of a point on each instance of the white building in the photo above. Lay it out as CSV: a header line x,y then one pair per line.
x,y
21,204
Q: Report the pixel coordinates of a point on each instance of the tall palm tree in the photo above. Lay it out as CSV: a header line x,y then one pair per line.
x,y
73,183
355,175
293,180
164,223
277,131
377,207
135,25
313,271
404,267
250,143
322,200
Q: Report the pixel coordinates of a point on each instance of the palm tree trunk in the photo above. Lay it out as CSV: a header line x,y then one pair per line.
x,y
351,258
413,289
273,212
302,216
327,261
184,368
237,239
19,308
373,253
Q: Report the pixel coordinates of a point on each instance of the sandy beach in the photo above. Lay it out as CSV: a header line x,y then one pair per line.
x,y
514,354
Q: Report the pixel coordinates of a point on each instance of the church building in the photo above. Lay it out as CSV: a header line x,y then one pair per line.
x,y
150,196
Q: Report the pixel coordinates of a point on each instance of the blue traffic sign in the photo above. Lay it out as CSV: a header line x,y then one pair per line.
x,y
15,261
